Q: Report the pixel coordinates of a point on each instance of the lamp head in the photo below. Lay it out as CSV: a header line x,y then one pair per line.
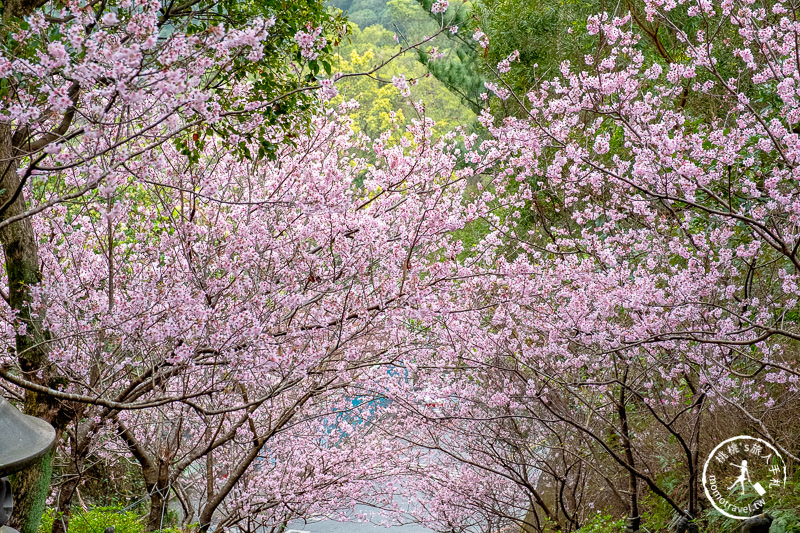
x,y
23,439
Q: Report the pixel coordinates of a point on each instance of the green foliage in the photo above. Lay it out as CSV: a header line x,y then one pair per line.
x,y
657,513
275,77
460,70
602,523
460,73
97,519
381,106
403,17
367,12
546,33
411,22
786,521
786,510
282,69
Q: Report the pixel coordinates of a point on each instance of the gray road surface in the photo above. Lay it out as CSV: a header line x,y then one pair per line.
x,y
330,526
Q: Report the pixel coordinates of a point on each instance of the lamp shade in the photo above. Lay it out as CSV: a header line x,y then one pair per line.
x,y
23,438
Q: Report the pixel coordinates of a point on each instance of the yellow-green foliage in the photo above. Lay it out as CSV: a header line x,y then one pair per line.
x,y
96,520
381,103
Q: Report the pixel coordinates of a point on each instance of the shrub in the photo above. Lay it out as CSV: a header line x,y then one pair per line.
x,y
96,520
602,523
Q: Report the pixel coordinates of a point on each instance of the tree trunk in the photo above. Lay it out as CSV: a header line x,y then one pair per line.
x,y
694,443
235,473
69,488
158,486
64,505
634,520
31,486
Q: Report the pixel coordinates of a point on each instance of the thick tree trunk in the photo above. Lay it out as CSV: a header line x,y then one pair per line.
x,y
157,483
32,486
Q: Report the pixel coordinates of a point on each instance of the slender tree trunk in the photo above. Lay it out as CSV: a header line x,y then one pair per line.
x,y
69,488
634,520
549,514
64,504
695,458
235,473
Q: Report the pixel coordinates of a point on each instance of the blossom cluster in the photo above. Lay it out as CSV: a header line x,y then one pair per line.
x,y
310,42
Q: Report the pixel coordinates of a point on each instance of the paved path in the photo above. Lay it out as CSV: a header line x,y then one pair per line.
x,y
330,526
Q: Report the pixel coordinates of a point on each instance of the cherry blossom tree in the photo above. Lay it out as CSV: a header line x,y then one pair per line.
x,y
87,87
95,98
199,309
629,269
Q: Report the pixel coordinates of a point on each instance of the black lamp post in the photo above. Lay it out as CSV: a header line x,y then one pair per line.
x,y
23,439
